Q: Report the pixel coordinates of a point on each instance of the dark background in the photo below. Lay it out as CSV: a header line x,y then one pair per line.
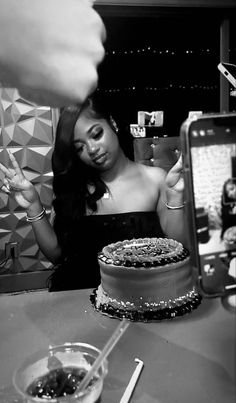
x,y
162,60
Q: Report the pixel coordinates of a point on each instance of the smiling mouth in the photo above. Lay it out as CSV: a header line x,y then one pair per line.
x,y
100,159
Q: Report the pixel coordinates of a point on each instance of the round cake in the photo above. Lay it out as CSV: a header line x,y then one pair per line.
x,y
145,279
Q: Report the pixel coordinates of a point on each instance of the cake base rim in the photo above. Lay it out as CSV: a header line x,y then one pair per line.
x,y
170,310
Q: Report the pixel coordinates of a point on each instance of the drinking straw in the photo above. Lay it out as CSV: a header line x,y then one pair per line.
x,y
119,331
132,383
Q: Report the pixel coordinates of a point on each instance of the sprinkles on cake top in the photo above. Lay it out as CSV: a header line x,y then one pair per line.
x,y
144,252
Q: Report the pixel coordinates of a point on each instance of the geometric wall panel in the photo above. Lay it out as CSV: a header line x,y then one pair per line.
x,y
28,132
45,194
36,159
3,203
22,123
20,133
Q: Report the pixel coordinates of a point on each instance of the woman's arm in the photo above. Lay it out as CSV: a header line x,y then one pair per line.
x,y
44,232
173,221
25,194
171,206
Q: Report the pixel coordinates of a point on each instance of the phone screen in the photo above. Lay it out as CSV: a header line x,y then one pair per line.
x,y
212,144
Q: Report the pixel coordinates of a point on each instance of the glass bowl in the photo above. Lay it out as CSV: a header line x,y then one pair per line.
x,y
62,362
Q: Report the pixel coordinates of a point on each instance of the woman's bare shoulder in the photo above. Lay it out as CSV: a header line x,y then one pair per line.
x,y
152,173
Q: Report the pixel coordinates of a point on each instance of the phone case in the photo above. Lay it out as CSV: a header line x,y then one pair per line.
x,y
229,71
208,145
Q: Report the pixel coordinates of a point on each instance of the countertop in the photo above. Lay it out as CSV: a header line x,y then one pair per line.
x,y
187,359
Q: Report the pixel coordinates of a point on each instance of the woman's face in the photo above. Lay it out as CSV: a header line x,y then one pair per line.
x,y
96,143
231,190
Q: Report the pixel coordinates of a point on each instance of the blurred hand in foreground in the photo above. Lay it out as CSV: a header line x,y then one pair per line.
x,y
50,50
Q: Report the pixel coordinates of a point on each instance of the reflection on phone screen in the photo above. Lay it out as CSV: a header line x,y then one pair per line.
x,y
213,156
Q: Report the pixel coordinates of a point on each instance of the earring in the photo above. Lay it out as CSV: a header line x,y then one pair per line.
x,y
114,125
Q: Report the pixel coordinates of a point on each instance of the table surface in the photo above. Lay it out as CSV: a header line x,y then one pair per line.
x,y
188,359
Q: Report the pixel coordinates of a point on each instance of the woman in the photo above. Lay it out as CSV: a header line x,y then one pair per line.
x,y
101,196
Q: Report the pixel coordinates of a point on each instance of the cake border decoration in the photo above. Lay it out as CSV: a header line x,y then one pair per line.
x,y
157,312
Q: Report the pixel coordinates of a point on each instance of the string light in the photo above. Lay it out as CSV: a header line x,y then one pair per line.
x,y
168,51
170,87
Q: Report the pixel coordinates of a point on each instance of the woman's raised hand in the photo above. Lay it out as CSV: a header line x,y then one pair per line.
x,y
16,184
174,178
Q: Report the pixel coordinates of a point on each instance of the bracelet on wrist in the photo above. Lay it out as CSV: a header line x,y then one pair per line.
x,y
175,207
36,217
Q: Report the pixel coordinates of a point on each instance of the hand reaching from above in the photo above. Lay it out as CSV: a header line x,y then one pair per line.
x,y
50,50
16,184
174,179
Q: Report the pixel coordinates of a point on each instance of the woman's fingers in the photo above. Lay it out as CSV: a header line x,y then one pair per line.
x,y
13,175
5,171
15,164
175,173
178,165
11,181
5,189
8,186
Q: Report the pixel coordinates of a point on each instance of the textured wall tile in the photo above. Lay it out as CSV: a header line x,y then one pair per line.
x,y
28,132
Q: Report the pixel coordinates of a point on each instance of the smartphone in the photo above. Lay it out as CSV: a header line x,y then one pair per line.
x,y
208,143
229,71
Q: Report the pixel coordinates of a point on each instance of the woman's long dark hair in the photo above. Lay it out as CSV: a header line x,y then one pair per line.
x,y
71,175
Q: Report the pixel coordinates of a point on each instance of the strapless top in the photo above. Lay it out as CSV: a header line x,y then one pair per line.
x,y
89,235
